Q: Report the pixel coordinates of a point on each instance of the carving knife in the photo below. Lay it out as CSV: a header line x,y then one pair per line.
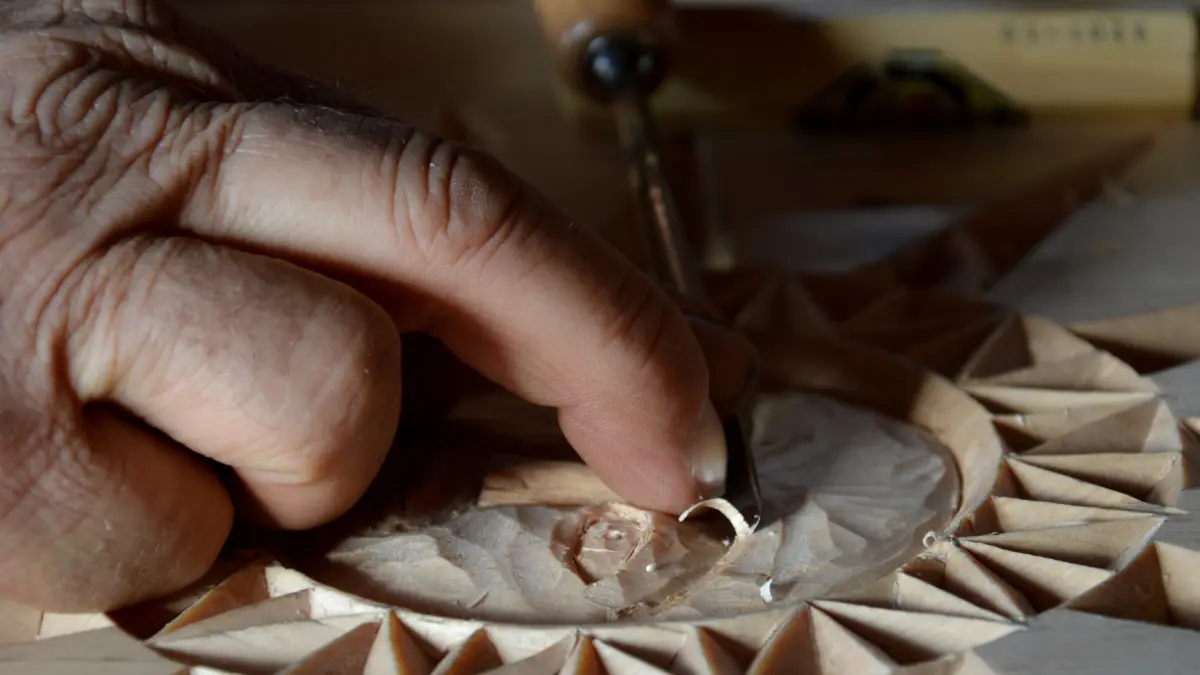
x,y
616,52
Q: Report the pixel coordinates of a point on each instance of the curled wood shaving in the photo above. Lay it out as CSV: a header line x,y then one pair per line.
x,y
669,563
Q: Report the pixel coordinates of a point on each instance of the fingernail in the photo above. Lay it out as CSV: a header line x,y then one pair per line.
x,y
709,455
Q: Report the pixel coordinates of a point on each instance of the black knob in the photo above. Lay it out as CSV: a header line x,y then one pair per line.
x,y
619,65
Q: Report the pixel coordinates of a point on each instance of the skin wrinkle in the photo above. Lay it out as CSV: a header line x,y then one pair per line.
x,y
147,117
422,155
31,14
547,251
390,171
80,491
129,49
93,310
625,328
98,215
203,340
35,105
170,58
340,388
51,483
319,465
244,141
91,105
52,465
200,226
288,397
158,274
22,450
225,135
100,186
475,242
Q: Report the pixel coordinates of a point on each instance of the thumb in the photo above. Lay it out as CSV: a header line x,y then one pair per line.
x,y
458,247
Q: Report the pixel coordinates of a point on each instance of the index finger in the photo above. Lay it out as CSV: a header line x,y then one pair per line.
x,y
535,302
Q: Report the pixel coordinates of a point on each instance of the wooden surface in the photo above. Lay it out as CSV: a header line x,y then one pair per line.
x,y
501,94
751,67
1052,508
1057,573
1077,561
1066,642
1122,270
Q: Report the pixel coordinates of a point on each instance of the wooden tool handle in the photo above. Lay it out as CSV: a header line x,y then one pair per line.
x,y
570,25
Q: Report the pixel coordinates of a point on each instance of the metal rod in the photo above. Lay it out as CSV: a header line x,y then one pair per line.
x,y
657,207
672,258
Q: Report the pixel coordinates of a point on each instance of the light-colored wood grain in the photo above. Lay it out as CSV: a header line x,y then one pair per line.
x,y
107,651
1089,545
477,654
1147,427
544,482
1136,593
1033,429
705,654
262,648
812,642
550,661
1135,474
912,637
840,650
615,660
1105,545
395,653
18,623
1023,342
1016,515
1179,569
967,577
1043,484
347,655
1046,582
905,592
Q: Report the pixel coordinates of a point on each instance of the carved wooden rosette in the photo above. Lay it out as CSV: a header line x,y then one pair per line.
x,y
1075,535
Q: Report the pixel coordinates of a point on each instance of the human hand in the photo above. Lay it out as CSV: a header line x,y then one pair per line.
x,y
200,258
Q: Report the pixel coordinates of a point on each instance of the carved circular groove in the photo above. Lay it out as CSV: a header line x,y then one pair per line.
x,y
1069,464
862,454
